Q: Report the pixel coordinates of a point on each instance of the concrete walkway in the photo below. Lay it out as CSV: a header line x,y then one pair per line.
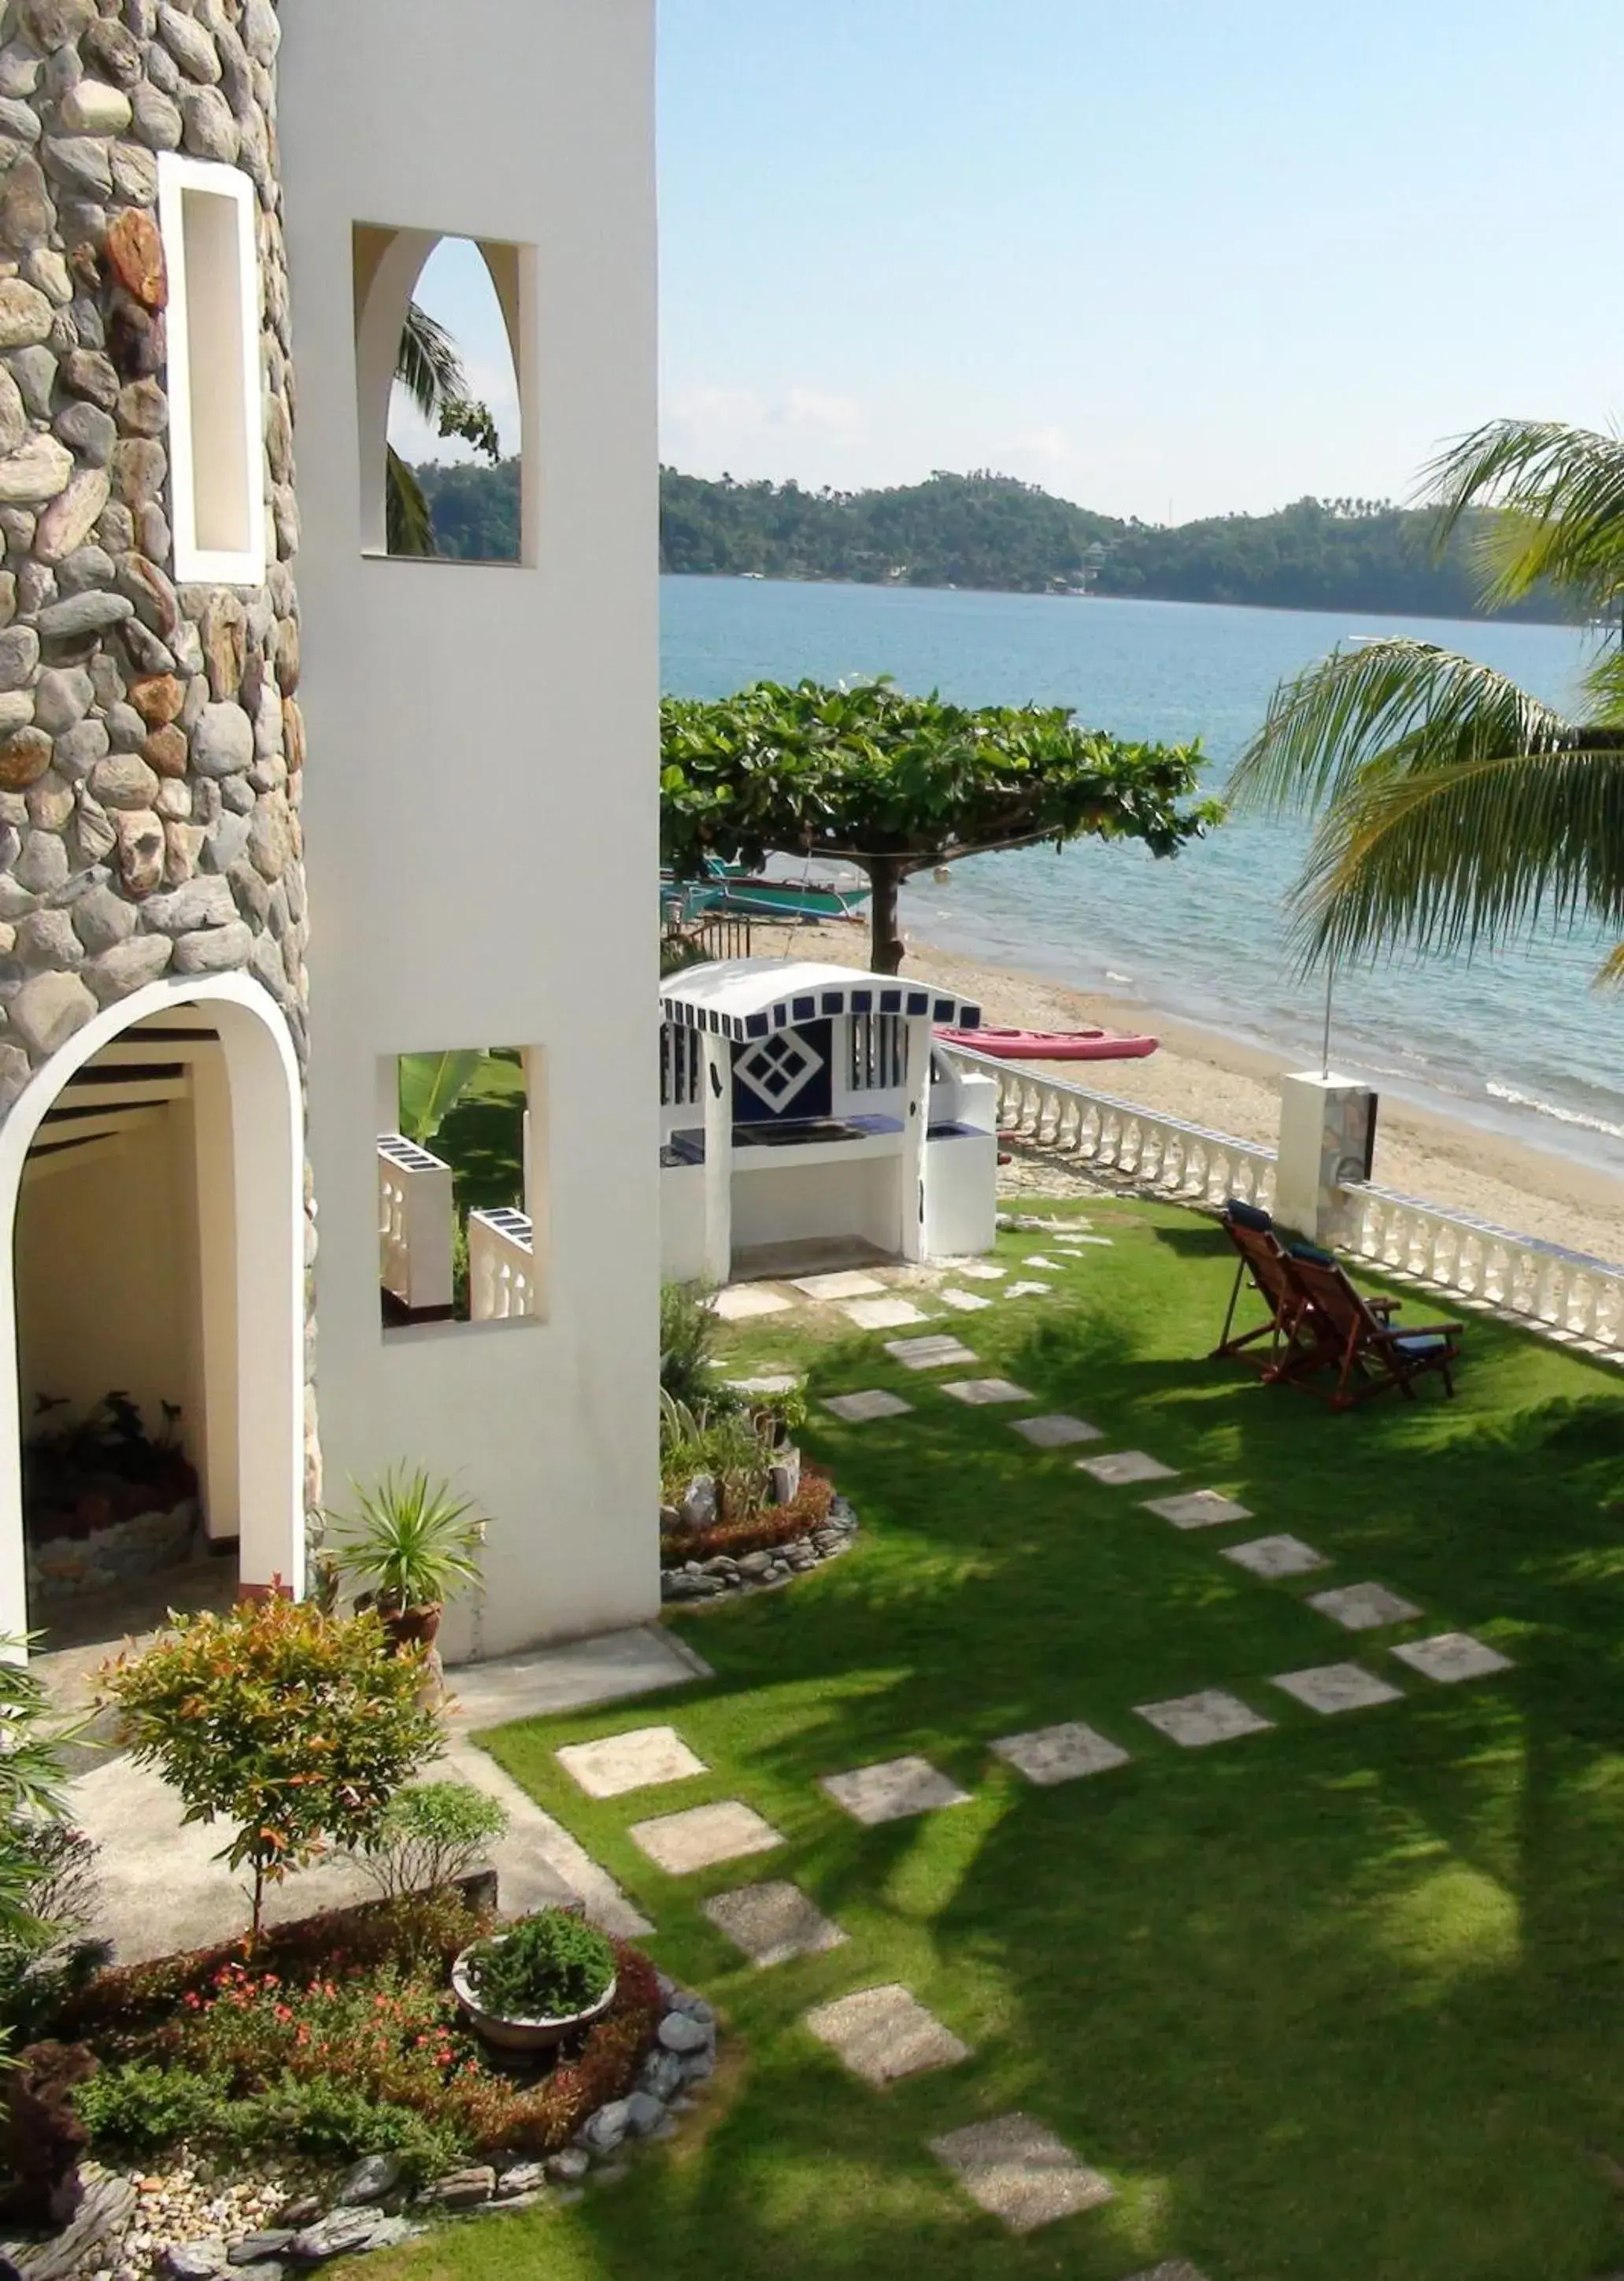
x,y
161,1889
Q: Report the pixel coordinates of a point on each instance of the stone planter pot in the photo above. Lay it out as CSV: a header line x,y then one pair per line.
x,y
418,1627
520,2035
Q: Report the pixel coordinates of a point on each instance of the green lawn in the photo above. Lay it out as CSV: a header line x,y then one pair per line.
x,y
1338,2002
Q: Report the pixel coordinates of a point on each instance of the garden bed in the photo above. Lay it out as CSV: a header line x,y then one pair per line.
x,y
338,2053
762,1548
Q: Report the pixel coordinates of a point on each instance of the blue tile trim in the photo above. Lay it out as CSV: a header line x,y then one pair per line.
x,y
889,1001
863,1001
805,1010
755,1026
943,1011
918,1002
834,1002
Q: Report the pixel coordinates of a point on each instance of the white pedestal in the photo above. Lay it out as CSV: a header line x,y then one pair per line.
x,y
1328,1131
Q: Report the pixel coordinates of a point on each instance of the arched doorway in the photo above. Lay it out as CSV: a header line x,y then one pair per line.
x,y
151,1222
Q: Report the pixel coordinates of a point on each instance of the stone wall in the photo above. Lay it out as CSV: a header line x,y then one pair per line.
x,y
150,740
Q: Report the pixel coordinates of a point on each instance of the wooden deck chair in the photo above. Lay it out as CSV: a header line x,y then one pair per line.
x,y
1344,1331
1264,1263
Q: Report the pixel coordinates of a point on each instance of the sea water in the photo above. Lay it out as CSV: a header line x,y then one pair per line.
x,y
1519,1042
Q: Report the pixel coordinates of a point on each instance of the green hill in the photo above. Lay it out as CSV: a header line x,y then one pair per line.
x,y
991,531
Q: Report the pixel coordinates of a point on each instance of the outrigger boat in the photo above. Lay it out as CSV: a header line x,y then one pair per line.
x,y
1051,1044
728,890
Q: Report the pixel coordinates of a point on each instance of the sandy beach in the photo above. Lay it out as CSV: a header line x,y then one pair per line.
x,y
1207,1078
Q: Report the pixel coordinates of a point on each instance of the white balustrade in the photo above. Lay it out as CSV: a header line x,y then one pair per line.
x,y
416,1216
501,1266
1569,1296
1159,1153
1576,1298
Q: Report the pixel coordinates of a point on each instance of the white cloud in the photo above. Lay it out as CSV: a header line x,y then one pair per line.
x,y
708,429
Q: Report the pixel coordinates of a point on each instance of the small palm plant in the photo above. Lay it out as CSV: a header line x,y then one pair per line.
x,y
411,1543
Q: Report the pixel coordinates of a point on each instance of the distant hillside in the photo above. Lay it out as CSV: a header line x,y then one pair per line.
x,y
990,531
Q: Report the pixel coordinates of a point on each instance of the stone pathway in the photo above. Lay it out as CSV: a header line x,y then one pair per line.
x,y
1193,1721
1451,1657
772,1923
638,1759
1199,1509
977,1392
1123,1467
862,1409
893,1790
1019,2171
937,1353
1060,1754
1332,1686
883,1314
1056,1431
1275,1555
1364,1607
883,2034
679,1843
966,1303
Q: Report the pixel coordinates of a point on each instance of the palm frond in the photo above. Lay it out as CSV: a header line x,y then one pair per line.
x,y
431,368
1469,853
1378,711
1561,493
409,521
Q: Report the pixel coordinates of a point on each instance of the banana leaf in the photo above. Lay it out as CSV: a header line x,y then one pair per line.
x,y
431,1085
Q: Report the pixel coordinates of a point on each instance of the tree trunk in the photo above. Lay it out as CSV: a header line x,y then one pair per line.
x,y
885,877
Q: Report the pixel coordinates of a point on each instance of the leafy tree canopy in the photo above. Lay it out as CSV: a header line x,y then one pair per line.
x,y
896,784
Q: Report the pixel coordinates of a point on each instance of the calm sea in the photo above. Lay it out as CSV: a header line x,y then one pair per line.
x,y
1521,1042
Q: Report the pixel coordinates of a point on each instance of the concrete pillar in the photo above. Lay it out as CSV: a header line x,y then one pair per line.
x,y
1326,1140
911,1170
716,1080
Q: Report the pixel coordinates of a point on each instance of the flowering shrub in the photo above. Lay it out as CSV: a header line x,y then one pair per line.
x,y
295,1725
345,2025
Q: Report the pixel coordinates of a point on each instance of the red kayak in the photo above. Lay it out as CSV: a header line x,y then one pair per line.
x,y
1051,1044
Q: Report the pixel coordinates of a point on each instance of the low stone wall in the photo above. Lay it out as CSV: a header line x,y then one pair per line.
x,y
66,1567
724,1572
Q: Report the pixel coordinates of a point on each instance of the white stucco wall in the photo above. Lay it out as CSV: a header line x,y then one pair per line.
x,y
481,800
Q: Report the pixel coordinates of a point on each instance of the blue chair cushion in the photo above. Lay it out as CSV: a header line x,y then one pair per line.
x,y
1313,1251
1419,1344
1248,1216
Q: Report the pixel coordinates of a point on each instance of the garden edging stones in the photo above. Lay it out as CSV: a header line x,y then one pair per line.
x,y
366,2208
758,1571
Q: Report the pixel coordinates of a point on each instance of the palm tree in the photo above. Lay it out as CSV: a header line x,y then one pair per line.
x,y
1453,809
431,371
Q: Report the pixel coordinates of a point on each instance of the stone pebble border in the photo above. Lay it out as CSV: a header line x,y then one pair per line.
x,y
131,2226
765,1570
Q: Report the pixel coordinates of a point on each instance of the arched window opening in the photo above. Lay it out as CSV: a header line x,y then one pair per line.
x,y
443,401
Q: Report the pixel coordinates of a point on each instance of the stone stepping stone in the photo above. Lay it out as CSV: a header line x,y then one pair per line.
x,y
967,1303
887,1314
1060,1754
1124,1467
980,1391
1037,1260
1028,1290
1199,1509
738,1304
1020,2172
1105,1243
1364,1607
935,1353
981,1271
682,1843
635,1760
893,1791
1275,1555
772,1923
884,2033
777,1381
862,1409
1193,1721
1056,1431
1332,1686
848,1285
1450,1657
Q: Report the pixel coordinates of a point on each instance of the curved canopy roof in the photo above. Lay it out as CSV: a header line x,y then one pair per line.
x,y
744,998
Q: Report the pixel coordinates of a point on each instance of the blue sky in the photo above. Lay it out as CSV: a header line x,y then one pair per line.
x,y
1163,257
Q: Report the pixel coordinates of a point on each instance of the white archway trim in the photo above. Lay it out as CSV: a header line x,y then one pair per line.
x,y
268,1155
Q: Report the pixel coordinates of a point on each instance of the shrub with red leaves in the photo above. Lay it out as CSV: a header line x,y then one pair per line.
x,y
757,1531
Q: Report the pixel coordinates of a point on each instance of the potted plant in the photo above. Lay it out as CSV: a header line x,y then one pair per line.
x,y
526,1990
413,1546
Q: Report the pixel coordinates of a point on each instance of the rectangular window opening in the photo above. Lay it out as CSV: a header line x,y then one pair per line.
x,y
457,1225
208,218
879,1053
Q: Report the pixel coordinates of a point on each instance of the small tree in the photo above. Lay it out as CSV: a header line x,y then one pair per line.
x,y
897,785
298,1727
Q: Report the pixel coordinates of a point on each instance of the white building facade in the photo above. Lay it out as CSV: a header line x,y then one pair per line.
x,y
212,218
